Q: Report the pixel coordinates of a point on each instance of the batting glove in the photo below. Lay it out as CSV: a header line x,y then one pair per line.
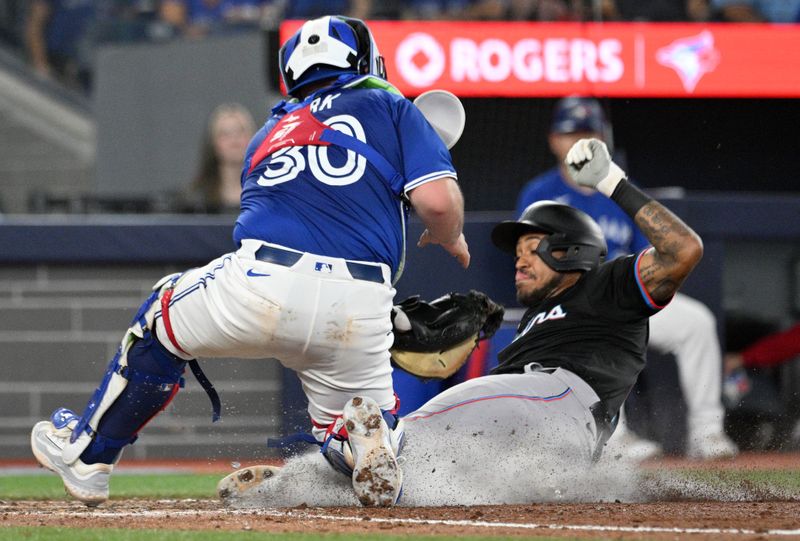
x,y
589,164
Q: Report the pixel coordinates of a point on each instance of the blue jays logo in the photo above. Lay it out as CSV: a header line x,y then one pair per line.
x,y
691,58
62,417
323,267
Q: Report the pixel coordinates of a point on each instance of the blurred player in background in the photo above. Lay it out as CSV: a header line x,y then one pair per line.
x,y
687,328
326,186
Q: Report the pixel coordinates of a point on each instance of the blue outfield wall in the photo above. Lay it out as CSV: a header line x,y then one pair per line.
x,y
193,240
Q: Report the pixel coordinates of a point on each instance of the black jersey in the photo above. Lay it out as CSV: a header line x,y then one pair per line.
x,y
598,329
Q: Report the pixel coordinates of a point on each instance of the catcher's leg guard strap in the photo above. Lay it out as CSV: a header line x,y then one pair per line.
x,y
205,383
335,448
153,377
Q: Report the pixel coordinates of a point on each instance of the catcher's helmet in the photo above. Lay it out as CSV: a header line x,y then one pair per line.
x,y
327,47
569,230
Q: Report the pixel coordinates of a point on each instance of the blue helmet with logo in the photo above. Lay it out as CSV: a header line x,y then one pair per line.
x,y
328,47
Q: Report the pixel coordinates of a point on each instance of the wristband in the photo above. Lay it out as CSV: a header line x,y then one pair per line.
x,y
629,198
609,184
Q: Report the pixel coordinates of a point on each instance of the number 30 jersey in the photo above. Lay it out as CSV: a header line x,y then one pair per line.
x,y
302,191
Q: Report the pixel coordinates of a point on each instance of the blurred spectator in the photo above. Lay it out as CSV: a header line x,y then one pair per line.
x,y
12,16
217,186
56,40
754,11
657,10
685,328
310,9
771,350
424,10
760,383
526,10
198,18
497,10
125,21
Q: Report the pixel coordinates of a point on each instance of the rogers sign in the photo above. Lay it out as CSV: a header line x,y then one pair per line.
x,y
610,59
556,60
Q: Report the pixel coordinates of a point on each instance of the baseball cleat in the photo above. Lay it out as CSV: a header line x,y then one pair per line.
x,y
711,447
86,482
377,477
244,483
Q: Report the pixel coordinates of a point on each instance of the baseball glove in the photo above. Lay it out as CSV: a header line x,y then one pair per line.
x,y
433,340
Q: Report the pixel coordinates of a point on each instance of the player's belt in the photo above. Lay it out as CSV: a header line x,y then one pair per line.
x,y
287,258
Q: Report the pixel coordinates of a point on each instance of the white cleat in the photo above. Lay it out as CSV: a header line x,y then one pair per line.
x,y
244,483
627,445
86,482
377,477
714,446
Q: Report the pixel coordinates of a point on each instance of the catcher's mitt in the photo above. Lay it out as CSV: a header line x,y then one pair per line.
x,y
434,340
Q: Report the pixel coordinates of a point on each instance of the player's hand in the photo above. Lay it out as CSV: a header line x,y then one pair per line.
x,y
732,362
457,249
589,164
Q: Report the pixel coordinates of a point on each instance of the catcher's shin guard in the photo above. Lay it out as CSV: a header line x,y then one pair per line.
x,y
153,379
139,382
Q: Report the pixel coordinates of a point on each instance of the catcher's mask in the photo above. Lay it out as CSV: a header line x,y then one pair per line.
x,y
568,230
328,47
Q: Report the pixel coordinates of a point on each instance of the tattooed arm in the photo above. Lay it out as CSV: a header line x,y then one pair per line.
x,y
676,248
675,252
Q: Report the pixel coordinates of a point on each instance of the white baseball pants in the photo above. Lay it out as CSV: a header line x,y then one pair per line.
x,y
314,317
687,329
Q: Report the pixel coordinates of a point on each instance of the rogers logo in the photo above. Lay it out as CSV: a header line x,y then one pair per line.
x,y
421,60
556,60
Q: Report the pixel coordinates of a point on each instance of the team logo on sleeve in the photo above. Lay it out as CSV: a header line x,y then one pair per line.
x,y
284,128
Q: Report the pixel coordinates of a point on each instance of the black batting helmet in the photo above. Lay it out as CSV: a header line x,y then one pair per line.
x,y
568,229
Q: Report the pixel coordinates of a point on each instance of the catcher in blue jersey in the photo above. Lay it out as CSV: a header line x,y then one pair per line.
x,y
327,185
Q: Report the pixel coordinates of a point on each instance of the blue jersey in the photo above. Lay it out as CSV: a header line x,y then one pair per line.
x,y
622,235
68,22
329,200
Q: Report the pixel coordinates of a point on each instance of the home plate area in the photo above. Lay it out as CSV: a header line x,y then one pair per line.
x,y
656,520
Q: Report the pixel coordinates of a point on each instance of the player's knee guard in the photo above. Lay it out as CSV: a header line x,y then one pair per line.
x,y
140,381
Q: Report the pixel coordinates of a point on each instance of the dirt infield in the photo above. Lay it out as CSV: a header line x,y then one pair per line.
x,y
668,518
663,520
